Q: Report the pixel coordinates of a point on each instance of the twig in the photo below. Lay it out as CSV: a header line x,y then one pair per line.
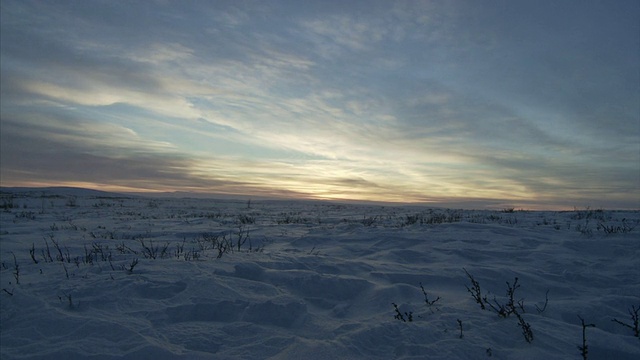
x,y
546,301
475,290
584,349
16,274
634,319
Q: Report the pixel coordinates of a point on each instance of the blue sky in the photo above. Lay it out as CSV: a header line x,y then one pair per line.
x,y
532,104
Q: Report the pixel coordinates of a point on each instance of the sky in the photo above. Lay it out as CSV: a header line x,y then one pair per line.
x,y
528,104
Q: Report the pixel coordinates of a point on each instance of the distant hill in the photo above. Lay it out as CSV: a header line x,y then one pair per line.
x,y
60,191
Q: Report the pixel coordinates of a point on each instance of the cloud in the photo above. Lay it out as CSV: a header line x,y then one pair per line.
x,y
163,53
343,32
109,155
25,164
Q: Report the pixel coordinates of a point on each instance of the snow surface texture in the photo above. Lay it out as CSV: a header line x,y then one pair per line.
x,y
309,280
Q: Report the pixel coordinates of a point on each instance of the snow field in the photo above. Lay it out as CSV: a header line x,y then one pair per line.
x,y
311,280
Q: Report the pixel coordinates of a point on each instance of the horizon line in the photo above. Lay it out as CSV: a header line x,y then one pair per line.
x,y
452,203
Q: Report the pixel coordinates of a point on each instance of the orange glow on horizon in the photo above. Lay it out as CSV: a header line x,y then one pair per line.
x,y
264,192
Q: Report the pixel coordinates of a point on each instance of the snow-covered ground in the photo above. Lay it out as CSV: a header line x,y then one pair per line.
x,y
91,275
